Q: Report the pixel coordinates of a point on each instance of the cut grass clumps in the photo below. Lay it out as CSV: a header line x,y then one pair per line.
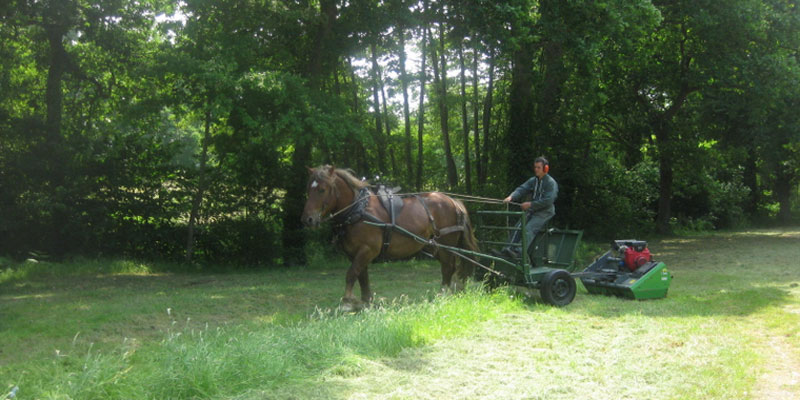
x,y
227,361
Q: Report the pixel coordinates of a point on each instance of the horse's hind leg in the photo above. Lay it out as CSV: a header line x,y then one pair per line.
x,y
448,269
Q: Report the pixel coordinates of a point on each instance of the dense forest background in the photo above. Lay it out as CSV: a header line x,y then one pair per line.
x,y
175,130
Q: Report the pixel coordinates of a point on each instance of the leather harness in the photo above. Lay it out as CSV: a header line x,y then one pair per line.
x,y
393,204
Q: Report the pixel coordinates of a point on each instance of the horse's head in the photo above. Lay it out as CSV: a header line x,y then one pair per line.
x,y
322,195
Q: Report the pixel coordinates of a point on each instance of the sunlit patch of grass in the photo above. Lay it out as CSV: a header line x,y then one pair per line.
x,y
224,361
41,270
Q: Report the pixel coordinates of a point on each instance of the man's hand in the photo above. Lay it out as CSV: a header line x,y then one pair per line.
x,y
507,199
526,205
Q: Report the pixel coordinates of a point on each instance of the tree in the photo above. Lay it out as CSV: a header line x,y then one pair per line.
x,y
440,82
465,120
406,112
518,137
320,59
421,109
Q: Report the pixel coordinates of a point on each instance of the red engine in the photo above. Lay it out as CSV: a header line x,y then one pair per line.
x,y
635,259
634,253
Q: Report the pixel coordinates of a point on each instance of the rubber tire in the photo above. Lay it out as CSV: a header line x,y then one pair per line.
x,y
558,288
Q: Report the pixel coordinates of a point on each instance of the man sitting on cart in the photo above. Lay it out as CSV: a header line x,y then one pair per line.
x,y
537,195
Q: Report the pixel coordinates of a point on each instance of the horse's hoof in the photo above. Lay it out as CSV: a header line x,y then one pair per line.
x,y
350,305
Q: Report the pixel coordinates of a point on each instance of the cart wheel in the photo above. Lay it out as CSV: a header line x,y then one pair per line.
x,y
558,288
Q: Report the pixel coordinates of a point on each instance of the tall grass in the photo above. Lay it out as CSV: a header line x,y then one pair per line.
x,y
226,361
34,269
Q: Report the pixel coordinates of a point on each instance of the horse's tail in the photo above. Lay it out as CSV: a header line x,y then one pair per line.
x,y
468,241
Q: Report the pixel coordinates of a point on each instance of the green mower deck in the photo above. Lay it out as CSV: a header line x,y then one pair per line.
x,y
606,276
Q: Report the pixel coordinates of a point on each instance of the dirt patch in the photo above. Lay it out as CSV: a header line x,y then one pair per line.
x,y
781,379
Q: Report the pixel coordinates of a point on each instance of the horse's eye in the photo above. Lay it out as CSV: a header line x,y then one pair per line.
x,y
321,190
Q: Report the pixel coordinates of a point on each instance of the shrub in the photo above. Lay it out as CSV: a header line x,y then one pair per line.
x,y
704,202
615,201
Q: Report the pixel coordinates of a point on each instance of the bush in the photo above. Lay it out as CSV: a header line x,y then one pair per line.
x,y
615,202
246,241
703,202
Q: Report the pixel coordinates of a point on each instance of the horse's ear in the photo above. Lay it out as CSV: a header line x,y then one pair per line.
x,y
331,170
310,170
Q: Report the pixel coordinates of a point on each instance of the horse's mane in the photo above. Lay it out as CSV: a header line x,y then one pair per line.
x,y
347,175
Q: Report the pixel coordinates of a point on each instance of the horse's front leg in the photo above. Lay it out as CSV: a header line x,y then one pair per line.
x,y
357,271
363,282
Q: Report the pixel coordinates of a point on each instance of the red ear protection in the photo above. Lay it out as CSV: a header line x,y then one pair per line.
x,y
546,167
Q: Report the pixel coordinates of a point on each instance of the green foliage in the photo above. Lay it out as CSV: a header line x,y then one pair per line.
x,y
245,241
119,125
705,203
615,202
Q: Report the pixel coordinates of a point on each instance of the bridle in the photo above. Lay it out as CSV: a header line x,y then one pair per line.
x,y
358,197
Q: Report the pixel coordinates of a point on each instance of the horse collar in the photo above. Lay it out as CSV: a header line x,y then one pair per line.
x,y
355,213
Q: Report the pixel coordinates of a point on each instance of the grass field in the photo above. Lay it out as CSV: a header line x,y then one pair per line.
x,y
94,329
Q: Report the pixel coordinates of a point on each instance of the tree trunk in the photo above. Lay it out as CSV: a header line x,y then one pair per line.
x,y
361,152
53,146
54,96
379,138
476,111
321,56
487,123
337,87
751,181
518,140
421,109
465,119
664,139
440,81
201,187
549,95
666,152
552,78
354,84
293,236
406,113
665,181
389,141
783,193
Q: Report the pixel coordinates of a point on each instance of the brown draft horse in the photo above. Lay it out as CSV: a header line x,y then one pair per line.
x,y
332,190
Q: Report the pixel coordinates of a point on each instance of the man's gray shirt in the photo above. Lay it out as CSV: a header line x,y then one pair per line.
x,y
541,192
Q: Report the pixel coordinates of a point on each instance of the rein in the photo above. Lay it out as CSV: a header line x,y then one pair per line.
x,y
463,197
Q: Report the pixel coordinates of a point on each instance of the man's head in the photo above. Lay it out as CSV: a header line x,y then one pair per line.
x,y
541,167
